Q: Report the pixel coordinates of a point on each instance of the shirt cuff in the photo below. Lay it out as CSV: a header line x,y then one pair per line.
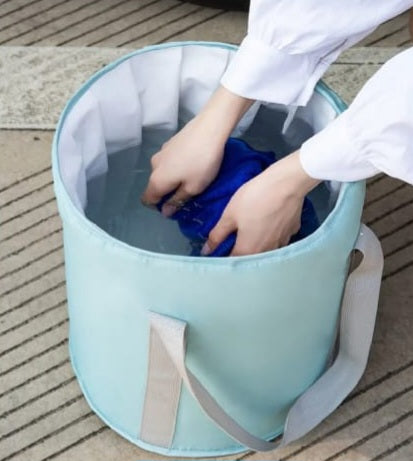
x,y
261,72
332,154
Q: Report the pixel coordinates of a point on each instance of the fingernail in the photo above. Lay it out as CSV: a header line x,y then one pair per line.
x,y
168,209
205,250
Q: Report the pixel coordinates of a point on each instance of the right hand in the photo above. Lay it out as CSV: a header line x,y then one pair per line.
x,y
190,160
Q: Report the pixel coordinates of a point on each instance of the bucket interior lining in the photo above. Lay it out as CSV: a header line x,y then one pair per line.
x,y
154,94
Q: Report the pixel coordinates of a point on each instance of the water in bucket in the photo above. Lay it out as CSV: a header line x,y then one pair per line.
x,y
113,199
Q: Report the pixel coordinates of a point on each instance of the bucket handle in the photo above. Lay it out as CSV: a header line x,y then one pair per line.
x,y
358,313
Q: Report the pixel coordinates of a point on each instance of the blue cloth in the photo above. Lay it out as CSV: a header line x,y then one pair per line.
x,y
200,214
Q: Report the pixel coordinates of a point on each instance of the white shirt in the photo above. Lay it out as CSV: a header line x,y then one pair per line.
x,y
290,44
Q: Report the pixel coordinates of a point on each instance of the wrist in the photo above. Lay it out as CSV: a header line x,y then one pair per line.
x,y
223,111
289,175
305,182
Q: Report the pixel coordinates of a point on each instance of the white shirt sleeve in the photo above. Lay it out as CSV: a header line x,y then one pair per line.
x,y
374,134
290,44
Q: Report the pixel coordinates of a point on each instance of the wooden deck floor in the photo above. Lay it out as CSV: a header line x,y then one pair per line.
x,y
43,415
133,23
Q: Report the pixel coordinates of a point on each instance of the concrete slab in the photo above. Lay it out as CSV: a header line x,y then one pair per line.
x,y
36,82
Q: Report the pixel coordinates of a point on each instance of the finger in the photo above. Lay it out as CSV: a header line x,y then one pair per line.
x,y
174,203
240,248
283,242
244,246
218,234
247,244
158,187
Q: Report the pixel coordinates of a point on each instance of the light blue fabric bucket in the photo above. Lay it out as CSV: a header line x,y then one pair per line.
x,y
259,329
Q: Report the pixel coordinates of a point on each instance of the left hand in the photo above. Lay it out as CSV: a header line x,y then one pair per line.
x,y
266,211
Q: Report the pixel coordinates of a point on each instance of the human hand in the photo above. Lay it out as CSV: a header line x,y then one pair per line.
x,y
266,211
190,160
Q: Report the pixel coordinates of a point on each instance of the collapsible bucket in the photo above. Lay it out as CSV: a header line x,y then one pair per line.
x,y
201,356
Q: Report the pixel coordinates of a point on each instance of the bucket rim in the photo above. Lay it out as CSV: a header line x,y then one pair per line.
x,y
350,192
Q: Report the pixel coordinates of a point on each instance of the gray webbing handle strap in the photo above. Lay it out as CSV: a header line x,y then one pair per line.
x,y
359,306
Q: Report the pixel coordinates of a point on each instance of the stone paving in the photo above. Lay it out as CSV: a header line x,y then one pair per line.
x,y
48,49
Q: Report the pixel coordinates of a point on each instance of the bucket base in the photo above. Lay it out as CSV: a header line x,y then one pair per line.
x,y
153,448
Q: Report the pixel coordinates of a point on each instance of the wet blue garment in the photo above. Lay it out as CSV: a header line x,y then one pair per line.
x,y
200,214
